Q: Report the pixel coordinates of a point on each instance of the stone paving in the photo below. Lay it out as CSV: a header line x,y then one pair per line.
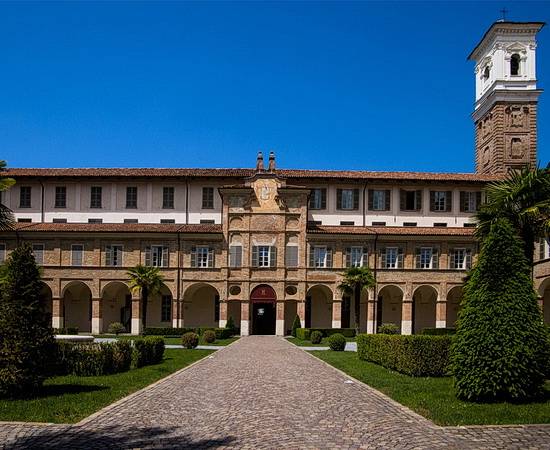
x,y
263,392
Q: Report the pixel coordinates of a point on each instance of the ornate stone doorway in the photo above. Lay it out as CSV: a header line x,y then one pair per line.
x,y
263,299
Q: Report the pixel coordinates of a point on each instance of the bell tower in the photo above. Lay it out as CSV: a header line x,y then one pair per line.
x,y
505,113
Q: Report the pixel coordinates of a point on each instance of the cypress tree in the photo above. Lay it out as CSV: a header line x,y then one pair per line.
x,y
295,325
27,346
501,346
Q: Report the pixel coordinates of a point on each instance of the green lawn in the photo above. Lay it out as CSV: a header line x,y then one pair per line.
x,y
434,397
171,340
69,399
302,343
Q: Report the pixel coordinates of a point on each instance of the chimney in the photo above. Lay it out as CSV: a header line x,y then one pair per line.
x,y
260,162
271,166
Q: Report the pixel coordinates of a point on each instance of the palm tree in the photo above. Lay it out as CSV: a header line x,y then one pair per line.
x,y
355,281
6,216
523,198
147,280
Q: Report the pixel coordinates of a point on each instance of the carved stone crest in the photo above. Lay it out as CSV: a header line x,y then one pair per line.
x,y
517,147
517,116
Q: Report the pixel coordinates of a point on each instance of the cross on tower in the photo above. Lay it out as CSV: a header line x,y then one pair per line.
x,y
504,11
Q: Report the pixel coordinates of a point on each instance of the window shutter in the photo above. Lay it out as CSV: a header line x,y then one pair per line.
x,y
255,256
108,255
400,257
329,257
383,257
462,201
148,255
418,200
165,256
452,259
478,200
311,256
348,256
210,257
435,258
449,201
417,257
339,198
468,259
402,200
542,253
371,200
356,199
193,256
387,198
365,259
432,201
323,198
273,256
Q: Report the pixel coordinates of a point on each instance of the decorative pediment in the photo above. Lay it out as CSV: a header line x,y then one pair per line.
x,y
516,47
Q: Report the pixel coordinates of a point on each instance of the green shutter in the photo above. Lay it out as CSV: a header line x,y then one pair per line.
x,y
193,256
324,198
210,257
273,256
165,256
387,198
148,255
435,258
478,200
432,200
356,199
417,255
371,200
255,256
400,257
329,257
462,201
338,198
418,200
402,200
348,256
449,201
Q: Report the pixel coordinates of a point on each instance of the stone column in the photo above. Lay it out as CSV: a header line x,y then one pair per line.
x,y
371,313
57,313
406,316
97,316
337,313
223,314
175,318
136,316
245,318
301,311
441,314
280,323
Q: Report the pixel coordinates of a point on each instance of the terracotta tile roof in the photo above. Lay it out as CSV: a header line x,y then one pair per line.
x,y
120,227
244,173
395,231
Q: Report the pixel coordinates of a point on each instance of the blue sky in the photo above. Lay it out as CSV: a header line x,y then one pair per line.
x,y
370,86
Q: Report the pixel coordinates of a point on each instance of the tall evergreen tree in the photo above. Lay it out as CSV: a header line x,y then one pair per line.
x,y
501,346
27,345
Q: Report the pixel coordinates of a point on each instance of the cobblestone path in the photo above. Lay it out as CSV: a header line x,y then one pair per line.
x,y
262,392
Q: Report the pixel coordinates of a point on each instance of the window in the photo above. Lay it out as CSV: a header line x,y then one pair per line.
x,y
486,73
95,220
156,256
460,258
470,201
440,224
25,196
379,200
131,221
25,220
202,257
264,256
59,220
131,197
291,256
166,221
2,253
318,198
347,222
113,255
409,224
379,224
411,200
95,197
77,253
356,257
427,258
235,256
321,257
168,198
391,258
38,252
440,201
166,308
207,198
543,248
514,64
314,223
470,225
347,199
207,221
60,197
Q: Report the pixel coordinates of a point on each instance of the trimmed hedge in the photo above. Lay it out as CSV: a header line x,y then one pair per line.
x,y
305,333
221,333
67,330
149,350
337,342
438,331
209,336
316,337
415,355
93,359
388,328
190,340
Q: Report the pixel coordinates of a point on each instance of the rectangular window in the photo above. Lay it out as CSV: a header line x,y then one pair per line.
x,y
461,259
77,254
411,200
391,258
95,220
38,252
379,224
440,224
25,196
318,198
166,308
291,257
166,221
409,224
426,258
321,257
131,221
356,257
168,197
347,223
470,225
25,220
207,221
379,200
131,197
470,201
441,201
202,257
2,253
235,256
60,197
347,199
207,198
156,256
59,220
113,255
95,196
264,256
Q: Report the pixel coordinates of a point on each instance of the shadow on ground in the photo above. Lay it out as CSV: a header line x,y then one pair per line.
x,y
113,437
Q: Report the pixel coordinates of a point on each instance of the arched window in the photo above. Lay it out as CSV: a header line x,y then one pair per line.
x,y
514,64
486,73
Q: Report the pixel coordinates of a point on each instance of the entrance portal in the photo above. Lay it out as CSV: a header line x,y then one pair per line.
x,y
263,299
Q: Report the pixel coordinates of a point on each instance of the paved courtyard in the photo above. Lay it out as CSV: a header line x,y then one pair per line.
x,y
262,392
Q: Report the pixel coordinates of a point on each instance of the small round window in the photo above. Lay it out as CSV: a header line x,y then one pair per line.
x,y
235,290
291,290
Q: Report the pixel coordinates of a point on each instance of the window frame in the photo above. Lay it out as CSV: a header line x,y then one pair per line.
x,y
235,257
292,261
131,197
318,199
358,250
42,250
207,197
81,255
112,247
317,263
166,308
25,200
168,197
60,200
96,197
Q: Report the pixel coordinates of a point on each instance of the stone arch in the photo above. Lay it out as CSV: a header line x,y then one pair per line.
x,y
319,306
544,292
77,306
454,300
46,299
116,300
390,305
424,307
159,308
201,306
